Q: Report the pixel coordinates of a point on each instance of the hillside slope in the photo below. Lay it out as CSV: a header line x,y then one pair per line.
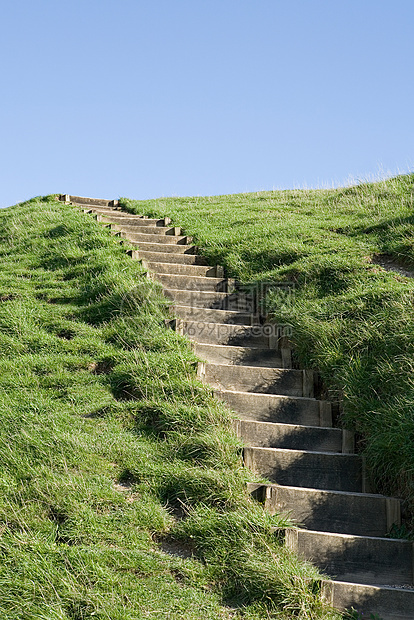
x,y
342,257
123,494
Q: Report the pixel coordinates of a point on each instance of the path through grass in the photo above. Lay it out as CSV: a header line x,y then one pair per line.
x,y
351,318
122,489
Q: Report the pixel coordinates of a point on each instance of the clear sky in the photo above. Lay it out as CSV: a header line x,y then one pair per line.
x,y
149,98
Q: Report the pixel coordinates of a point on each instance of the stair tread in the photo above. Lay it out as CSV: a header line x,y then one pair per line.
x,y
247,327
293,426
196,278
264,396
187,309
316,452
321,491
171,259
357,536
182,248
138,228
349,557
153,237
306,438
255,368
388,601
179,269
229,346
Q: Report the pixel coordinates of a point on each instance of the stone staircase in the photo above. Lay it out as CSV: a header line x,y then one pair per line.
x,y
314,474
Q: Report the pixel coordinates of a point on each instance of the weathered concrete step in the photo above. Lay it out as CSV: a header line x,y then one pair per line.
x,y
386,603
363,514
206,299
282,409
193,283
162,248
117,212
82,200
289,436
316,470
250,356
360,559
254,379
165,257
104,210
221,333
136,228
154,238
210,315
201,299
185,270
133,221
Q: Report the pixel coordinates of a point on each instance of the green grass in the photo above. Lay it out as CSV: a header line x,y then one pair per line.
x,y
122,488
351,319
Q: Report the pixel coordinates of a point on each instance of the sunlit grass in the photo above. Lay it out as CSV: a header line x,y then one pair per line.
x,y
351,318
112,453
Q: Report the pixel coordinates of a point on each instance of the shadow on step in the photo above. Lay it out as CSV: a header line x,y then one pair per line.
x,y
360,514
315,470
353,560
273,408
370,601
356,559
290,436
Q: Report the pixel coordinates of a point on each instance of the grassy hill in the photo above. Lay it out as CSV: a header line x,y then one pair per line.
x,y
343,254
122,488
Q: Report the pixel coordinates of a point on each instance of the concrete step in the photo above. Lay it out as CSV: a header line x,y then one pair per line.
x,y
254,379
133,221
359,559
205,299
386,603
184,270
200,299
193,283
363,514
281,409
190,250
82,200
209,315
134,227
105,210
249,356
220,333
316,470
165,257
289,436
142,237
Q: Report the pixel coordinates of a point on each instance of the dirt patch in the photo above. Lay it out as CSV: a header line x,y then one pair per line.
x,y
10,297
104,367
180,550
66,334
126,489
123,487
388,263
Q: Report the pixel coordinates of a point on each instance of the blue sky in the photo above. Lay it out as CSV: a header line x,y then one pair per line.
x,y
195,97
